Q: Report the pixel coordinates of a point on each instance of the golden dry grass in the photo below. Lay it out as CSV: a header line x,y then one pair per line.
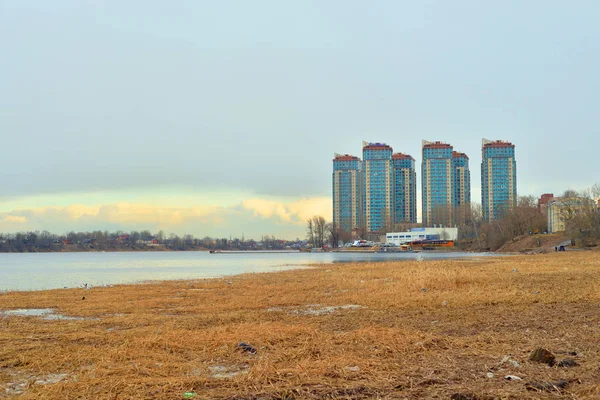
x,y
161,340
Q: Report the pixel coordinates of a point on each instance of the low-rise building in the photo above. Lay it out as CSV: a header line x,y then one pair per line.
x,y
417,234
543,202
560,210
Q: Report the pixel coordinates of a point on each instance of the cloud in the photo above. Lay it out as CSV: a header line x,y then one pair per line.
x,y
131,213
14,219
306,208
252,217
296,211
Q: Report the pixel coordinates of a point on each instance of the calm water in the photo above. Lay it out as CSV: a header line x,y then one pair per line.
x,y
35,271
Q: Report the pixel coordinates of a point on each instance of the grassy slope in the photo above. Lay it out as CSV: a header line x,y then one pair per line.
x,y
533,243
160,340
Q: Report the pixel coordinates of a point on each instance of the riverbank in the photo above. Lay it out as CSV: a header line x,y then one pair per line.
x,y
407,329
75,248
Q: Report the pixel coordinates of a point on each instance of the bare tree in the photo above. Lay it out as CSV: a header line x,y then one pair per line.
x,y
582,216
441,215
334,234
316,228
319,223
310,232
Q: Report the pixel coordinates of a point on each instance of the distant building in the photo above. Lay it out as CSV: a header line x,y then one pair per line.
x,y
543,202
560,210
415,234
405,188
149,242
498,178
446,183
347,193
378,186
461,180
544,199
436,181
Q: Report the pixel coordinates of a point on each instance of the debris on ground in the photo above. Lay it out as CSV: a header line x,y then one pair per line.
x,y
568,363
490,375
246,347
189,395
510,361
513,378
547,386
542,355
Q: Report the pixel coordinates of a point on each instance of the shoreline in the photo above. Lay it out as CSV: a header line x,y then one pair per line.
x,y
433,328
165,250
70,281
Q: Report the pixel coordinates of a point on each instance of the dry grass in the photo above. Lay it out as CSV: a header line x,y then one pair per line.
x,y
161,340
534,243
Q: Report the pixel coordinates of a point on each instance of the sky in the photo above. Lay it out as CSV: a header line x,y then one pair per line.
x,y
221,118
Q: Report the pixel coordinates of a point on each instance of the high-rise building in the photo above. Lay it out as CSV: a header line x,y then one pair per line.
x,y
498,178
436,176
347,193
405,188
377,187
461,179
446,183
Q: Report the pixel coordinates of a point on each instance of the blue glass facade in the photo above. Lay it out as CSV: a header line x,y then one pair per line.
x,y
446,183
347,193
461,180
498,178
377,184
436,173
405,188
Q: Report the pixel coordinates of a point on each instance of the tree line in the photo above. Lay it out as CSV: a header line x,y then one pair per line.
x,y
44,241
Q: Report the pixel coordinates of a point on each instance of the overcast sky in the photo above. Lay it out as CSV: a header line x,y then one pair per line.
x,y
222,117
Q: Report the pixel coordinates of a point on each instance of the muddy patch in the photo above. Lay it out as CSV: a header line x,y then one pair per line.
x,y
21,383
43,313
315,309
227,372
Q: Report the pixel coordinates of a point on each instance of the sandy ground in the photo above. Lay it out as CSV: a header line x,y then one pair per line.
x,y
397,330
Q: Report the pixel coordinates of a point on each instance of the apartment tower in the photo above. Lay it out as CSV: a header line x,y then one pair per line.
x,y
405,188
436,175
461,179
347,193
377,187
498,178
446,183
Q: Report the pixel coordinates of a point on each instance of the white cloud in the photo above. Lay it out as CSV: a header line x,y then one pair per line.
x,y
252,217
14,219
296,211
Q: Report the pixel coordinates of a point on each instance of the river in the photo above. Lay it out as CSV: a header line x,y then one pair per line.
x,y
38,271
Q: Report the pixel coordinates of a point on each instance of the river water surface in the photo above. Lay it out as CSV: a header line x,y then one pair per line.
x,y
36,271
